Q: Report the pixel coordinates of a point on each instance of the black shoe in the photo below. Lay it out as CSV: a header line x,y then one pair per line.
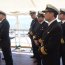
x,y
32,56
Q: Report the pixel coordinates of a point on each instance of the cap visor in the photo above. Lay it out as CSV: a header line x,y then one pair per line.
x,y
45,10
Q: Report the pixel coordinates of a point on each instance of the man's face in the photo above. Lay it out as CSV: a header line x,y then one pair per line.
x,y
61,16
40,19
33,16
48,15
1,16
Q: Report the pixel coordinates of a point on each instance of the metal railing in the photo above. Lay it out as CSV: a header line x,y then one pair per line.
x,y
19,38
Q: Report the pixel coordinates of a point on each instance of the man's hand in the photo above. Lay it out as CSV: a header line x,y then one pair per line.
x,y
31,33
43,51
40,41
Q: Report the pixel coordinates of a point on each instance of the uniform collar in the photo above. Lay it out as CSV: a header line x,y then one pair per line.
x,y
2,20
41,22
49,23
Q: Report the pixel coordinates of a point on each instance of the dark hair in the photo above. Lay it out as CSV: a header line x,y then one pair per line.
x,y
2,13
55,15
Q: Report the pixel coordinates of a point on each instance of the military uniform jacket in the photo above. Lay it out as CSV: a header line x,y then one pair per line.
x,y
63,28
62,47
33,24
40,28
4,33
51,41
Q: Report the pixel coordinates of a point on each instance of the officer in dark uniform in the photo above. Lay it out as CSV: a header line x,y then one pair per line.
x,y
4,39
61,16
31,30
40,27
51,37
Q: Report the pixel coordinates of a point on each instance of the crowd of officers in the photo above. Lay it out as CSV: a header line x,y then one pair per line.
x,y
46,33
48,36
